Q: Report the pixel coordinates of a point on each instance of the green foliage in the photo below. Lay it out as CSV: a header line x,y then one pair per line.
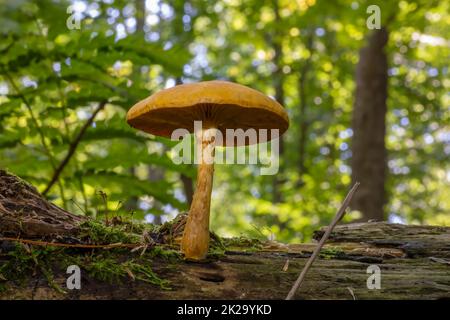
x,y
53,78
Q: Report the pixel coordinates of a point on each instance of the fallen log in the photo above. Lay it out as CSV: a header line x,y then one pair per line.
x,y
413,263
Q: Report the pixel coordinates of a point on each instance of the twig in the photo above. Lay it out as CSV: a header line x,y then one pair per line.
x,y
75,203
337,218
73,146
351,292
70,245
286,266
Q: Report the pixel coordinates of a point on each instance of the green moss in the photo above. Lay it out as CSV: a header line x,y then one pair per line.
x,y
105,269
164,252
219,246
97,232
144,273
331,253
112,266
109,269
242,243
24,262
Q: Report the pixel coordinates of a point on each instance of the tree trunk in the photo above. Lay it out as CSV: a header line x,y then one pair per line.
x,y
414,261
303,112
369,128
140,15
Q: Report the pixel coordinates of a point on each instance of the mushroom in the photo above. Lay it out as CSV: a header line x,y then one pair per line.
x,y
220,105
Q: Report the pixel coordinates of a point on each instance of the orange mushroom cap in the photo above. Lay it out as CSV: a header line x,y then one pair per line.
x,y
222,104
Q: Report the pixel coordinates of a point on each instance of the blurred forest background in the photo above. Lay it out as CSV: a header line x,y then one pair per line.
x,y
367,105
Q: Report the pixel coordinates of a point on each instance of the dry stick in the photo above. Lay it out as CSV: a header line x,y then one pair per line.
x,y
337,218
73,146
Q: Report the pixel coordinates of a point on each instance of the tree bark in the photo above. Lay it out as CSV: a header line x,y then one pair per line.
x,y
369,128
23,211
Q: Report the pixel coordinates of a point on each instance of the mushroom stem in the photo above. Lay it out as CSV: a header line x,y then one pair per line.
x,y
195,242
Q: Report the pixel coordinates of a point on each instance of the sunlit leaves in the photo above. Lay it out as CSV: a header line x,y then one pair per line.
x,y
63,75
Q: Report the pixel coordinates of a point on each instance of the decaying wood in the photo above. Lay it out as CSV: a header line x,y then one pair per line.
x,y
24,212
338,274
414,241
414,263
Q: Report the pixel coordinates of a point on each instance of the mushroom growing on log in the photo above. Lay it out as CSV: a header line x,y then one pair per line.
x,y
219,105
